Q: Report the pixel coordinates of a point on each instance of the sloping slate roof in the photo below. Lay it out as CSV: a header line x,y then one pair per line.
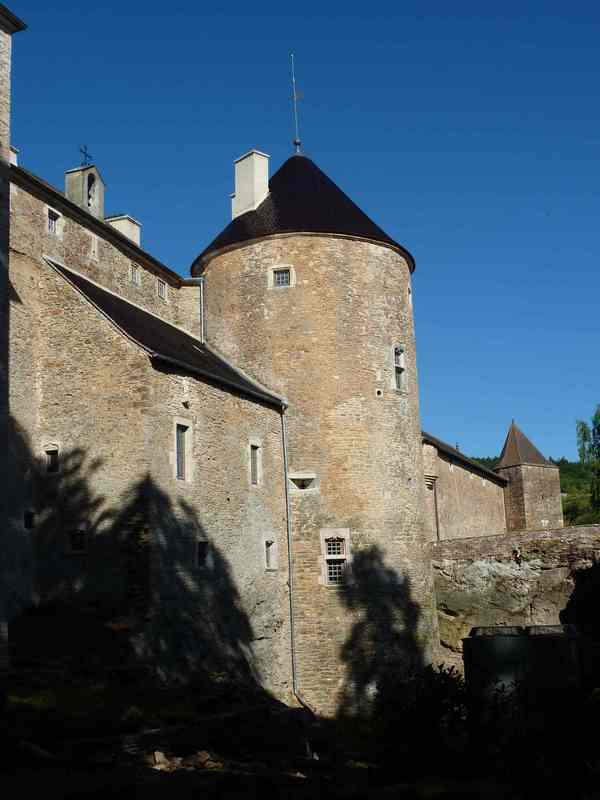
x,y
456,455
301,199
519,450
164,341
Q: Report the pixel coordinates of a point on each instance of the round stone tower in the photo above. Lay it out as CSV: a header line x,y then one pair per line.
x,y
306,294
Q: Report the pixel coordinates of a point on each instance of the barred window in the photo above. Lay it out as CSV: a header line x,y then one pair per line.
x,y
161,288
53,218
281,277
136,275
335,556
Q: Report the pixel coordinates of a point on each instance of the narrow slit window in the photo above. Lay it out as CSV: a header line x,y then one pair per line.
x,y
281,277
136,275
53,219
180,446
399,368
254,464
52,461
161,289
335,558
269,554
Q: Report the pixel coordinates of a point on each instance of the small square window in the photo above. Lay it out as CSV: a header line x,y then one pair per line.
x,y
78,540
53,222
136,275
281,277
161,289
52,461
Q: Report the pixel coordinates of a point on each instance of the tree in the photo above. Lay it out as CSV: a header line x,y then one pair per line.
x,y
588,445
584,441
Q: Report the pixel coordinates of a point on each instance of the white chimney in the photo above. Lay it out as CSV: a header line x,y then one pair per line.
x,y
251,182
128,226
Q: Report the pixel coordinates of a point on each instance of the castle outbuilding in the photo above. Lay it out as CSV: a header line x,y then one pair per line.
x,y
232,465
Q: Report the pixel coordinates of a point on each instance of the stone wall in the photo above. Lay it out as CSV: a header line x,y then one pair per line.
x,y
79,385
326,344
461,502
533,498
524,578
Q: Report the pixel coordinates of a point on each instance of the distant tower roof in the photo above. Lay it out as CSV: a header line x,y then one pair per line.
x,y
519,450
301,199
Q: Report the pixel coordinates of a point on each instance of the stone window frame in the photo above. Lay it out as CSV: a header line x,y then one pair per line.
x,y
93,255
270,546
161,282
59,223
326,534
301,475
208,562
188,454
52,447
135,274
277,268
255,442
399,365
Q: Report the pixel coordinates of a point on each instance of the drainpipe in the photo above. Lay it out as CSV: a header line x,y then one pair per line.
x,y
295,684
200,283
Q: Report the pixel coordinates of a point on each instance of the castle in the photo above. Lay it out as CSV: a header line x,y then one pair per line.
x,y
234,462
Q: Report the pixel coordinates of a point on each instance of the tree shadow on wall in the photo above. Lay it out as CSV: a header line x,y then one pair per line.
x,y
583,611
382,644
134,579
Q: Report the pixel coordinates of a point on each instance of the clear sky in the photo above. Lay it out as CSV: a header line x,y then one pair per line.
x,y
469,131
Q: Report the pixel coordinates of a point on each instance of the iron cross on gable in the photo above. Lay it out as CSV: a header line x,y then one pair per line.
x,y
85,156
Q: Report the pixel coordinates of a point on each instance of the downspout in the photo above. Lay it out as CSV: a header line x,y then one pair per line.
x,y
295,683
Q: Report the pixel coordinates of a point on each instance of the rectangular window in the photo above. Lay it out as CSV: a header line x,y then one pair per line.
x,y
52,464
399,368
281,277
136,275
180,446
335,559
269,554
161,289
93,246
201,553
53,219
78,541
254,464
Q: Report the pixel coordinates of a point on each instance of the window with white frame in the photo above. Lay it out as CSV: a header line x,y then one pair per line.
x,y
54,222
161,288
281,278
399,368
135,274
335,556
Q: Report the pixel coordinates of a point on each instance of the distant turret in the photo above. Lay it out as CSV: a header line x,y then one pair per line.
x,y
532,497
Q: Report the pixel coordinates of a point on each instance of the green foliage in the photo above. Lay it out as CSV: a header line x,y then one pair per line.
x,y
487,461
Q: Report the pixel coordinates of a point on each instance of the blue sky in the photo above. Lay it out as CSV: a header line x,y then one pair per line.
x,y
471,135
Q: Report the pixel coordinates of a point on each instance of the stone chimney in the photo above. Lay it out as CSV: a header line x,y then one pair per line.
x,y
9,24
251,182
128,226
84,187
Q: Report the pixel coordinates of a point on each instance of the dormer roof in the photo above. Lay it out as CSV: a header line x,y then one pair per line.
x,y
519,450
301,199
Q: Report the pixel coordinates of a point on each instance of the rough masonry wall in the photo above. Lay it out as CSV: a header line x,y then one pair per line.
x,y
72,247
523,578
229,612
5,93
326,344
468,504
532,497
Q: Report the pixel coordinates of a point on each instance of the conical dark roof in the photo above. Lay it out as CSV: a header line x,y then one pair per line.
x,y
519,450
301,199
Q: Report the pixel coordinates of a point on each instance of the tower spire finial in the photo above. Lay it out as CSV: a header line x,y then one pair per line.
x,y
295,97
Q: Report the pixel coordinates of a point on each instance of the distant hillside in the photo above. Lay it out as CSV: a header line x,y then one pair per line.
x,y
575,481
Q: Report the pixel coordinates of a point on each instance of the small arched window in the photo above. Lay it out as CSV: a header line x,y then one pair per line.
x,y
399,368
